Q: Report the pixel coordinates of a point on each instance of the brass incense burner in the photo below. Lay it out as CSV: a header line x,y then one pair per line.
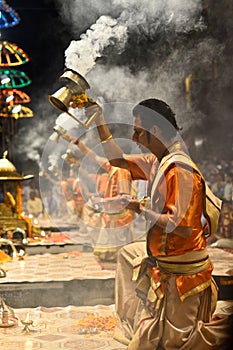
x,y
72,94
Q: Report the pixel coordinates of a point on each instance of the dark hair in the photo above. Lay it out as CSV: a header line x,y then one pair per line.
x,y
146,108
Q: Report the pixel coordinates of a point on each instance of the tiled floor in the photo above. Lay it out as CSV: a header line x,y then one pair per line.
x,y
222,260
78,278
55,267
71,327
70,272
84,328
80,265
63,279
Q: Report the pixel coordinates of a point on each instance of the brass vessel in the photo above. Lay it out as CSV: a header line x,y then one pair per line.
x,y
72,94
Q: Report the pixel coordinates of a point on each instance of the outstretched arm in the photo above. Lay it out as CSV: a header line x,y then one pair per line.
x,y
51,179
112,150
85,149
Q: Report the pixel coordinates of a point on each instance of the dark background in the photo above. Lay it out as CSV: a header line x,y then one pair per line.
x,y
44,34
41,34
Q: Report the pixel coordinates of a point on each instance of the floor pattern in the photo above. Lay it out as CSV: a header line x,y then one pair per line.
x,y
72,265
67,328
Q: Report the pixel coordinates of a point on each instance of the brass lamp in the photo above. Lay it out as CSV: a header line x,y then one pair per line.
x,y
72,93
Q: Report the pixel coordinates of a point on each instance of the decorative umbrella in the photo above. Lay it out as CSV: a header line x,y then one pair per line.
x,y
13,97
16,112
11,55
11,78
8,17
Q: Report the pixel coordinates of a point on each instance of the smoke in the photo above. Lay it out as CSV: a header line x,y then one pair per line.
x,y
132,13
132,49
165,81
66,121
140,19
33,133
81,55
31,142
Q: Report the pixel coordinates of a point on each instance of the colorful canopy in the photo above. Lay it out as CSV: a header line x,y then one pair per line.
x,y
11,55
10,78
13,97
16,112
8,17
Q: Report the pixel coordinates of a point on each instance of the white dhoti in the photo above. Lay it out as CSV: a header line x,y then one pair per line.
x,y
175,324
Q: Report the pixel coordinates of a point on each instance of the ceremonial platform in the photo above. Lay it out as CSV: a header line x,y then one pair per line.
x,y
66,295
79,278
60,241
67,328
69,278
59,236
71,327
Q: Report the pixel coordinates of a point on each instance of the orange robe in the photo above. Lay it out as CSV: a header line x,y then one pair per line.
x,y
169,197
117,223
115,182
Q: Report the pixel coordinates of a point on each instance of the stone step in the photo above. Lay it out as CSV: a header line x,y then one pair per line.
x,y
63,279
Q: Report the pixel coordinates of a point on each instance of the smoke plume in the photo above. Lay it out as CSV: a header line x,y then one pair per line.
x,y
130,50
142,19
133,50
81,55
